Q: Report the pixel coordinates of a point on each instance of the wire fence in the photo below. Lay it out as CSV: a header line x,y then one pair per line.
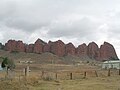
x,y
58,75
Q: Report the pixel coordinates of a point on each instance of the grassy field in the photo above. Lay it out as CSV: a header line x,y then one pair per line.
x,y
108,83
63,82
52,65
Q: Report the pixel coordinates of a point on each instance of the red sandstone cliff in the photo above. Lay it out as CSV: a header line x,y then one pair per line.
x,y
20,46
93,50
105,52
57,48
38,46
81,50
13,45
70,49
29,48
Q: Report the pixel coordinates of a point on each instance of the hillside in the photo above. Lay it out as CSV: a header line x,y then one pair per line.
x,y
60,49
39,58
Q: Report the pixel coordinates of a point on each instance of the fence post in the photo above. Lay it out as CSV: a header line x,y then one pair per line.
x,y
85,74
56,76
119,72
27,71
70,76
96,73
108,72
42,74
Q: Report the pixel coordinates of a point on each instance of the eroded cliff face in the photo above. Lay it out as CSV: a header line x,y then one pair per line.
x,y
57,48
13,45
70,49
93,50
81,50
105,52
20,46
29,48
38,46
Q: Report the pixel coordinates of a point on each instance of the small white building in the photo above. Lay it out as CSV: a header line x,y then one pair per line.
x,y
113,64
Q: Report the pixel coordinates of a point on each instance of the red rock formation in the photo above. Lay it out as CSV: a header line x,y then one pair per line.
x,y
57,48
70,49
11,45
29,48
107,51
81,50
38,46
20,46
46,48
93,50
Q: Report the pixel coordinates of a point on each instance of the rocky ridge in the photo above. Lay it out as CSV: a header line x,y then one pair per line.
x,y
59,48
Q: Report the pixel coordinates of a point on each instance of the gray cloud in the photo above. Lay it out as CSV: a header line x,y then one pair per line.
x,y
77,21
29,14
78,28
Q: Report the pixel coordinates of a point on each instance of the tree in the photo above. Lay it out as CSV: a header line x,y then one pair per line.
x,y
1,46
8,64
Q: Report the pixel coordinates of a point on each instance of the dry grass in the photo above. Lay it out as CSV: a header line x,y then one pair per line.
x,y
63,82
49,81
109,83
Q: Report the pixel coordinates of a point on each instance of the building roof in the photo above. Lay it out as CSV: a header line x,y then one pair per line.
x,y
112,61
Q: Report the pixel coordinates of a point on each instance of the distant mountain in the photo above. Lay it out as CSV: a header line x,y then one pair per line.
x,y
59,48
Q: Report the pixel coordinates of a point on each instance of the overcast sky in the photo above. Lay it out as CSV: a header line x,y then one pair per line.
x,y
77,21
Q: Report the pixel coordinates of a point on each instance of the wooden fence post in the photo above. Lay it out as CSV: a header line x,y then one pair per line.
x,y
119,72
108,72
85,74
27,71
96,73
56,76
42,74
70,76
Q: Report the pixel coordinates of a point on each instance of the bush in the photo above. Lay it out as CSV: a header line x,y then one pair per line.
x,y
9,64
